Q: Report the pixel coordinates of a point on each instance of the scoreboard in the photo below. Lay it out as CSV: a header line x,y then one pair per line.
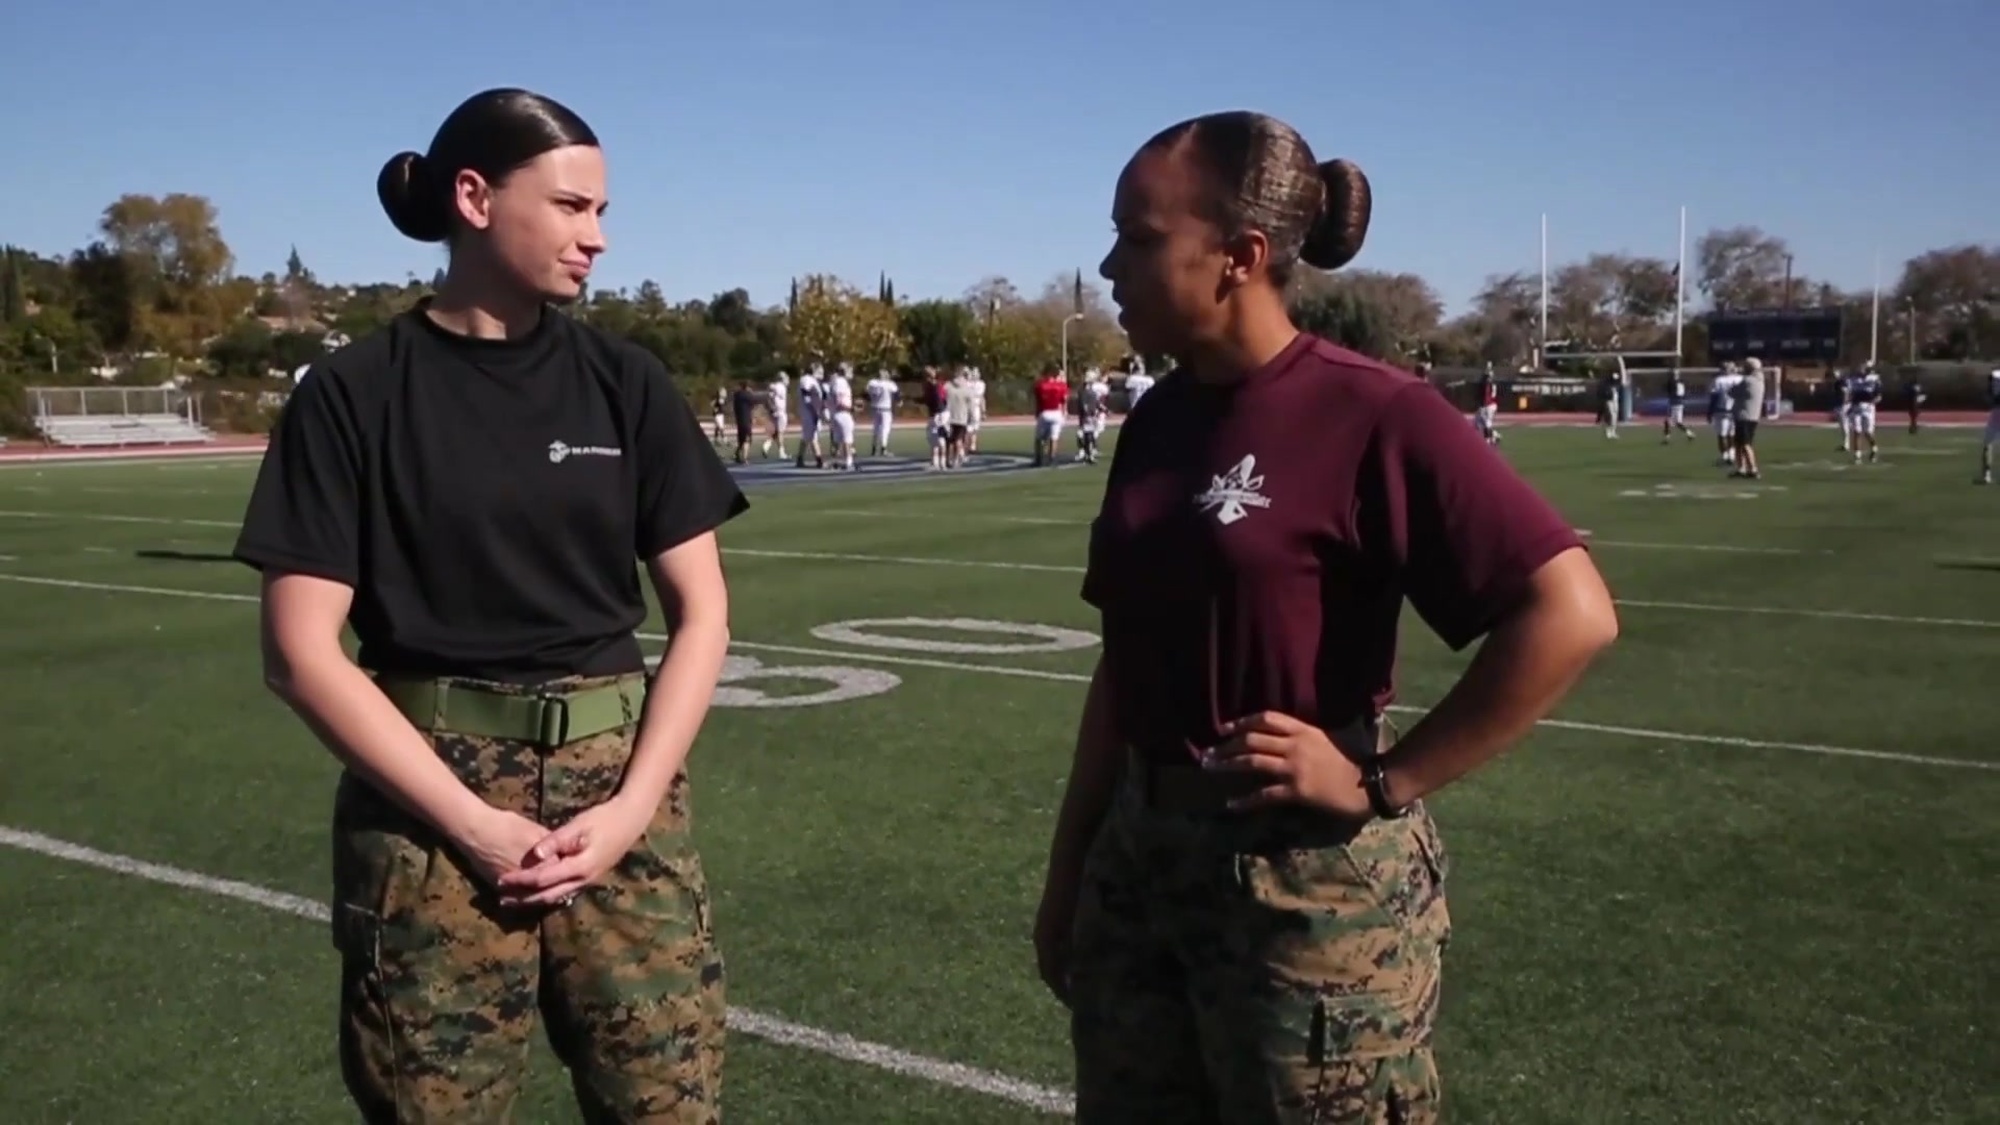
x,y
1809,335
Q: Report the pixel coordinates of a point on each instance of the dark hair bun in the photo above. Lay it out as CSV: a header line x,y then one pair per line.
x,y
414,203
1343,221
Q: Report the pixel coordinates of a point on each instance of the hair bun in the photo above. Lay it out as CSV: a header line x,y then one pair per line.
x,y
414,204
1342,226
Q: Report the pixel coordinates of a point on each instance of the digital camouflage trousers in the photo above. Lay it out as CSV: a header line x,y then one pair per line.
x,y
441,986
1257,969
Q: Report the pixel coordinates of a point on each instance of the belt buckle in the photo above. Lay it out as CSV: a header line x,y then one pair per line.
x,y
556,708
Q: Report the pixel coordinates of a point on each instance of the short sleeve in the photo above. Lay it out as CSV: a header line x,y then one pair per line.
x,y
1100,570
684,488
304,514
1461,529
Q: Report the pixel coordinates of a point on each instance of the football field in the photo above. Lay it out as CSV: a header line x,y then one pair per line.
x,y
1749,872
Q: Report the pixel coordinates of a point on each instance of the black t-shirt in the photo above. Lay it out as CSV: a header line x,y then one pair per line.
x,y
487,499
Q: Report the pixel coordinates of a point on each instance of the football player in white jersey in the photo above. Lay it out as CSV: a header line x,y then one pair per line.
x,y
1093,405
883,395
976,384
775,398
839,400
1840,412
809,416
720,405
1137,383
1861,394
1992,426
1721,413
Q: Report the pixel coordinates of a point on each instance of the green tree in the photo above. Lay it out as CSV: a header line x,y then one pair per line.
x,y
1742,268
938,332
107,295
13,288
834,323
1347,318
244,351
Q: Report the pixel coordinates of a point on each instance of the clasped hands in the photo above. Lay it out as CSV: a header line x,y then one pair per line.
x,y
530,865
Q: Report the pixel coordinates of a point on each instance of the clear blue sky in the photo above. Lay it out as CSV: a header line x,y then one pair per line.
x,y
944,141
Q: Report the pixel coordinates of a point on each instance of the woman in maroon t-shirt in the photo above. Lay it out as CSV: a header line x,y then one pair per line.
x,y
1244,908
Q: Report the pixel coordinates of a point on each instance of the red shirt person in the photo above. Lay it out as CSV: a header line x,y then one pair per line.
x,y
1245,908
1051,399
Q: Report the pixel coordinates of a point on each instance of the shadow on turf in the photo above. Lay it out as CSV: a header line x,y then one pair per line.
x,y
182,556
1969,564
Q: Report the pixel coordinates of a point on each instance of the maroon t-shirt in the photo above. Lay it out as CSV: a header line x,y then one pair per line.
x,y
1257,541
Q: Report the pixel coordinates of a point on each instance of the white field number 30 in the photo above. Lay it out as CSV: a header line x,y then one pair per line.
x,y
843,683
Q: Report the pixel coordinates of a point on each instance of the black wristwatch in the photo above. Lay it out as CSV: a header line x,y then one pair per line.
x,y
1374,783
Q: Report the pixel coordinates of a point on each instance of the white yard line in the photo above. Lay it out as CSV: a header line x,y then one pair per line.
x,y
1647,733
1058,568
1703,548
1065,521
1822,614
901,560
103,517
757,1024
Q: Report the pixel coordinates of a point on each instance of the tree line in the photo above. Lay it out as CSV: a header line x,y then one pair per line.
x,y
157,295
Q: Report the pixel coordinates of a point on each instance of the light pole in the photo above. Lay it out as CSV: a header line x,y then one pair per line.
x,y
1067,321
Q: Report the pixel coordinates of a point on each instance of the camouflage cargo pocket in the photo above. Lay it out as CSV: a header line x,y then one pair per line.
x,y
1352,929
662,877
377,870
1399,1089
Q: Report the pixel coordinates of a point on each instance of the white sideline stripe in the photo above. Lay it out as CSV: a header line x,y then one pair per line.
x,y
1077,678
116,458
757,1024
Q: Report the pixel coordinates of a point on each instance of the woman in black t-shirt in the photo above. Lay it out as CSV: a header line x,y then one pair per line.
x,y
469,488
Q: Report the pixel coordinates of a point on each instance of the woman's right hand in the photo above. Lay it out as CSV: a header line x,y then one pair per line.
x,y
497,842
1054,920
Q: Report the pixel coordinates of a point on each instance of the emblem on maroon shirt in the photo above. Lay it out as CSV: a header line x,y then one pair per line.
x,y
1231,495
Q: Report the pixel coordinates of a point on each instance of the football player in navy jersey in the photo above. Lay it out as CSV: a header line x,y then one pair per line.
x,y
1677,391
1863,395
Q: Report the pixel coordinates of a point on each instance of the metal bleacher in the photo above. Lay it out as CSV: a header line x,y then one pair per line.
x,y
87,431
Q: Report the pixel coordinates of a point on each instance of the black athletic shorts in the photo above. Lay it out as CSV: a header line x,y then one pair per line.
x,y
956,431
1746,432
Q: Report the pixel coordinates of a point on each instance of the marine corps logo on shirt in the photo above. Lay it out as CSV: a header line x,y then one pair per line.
x,y
560,451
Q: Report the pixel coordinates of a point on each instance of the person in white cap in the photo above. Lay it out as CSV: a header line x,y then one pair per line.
x,y
1748,408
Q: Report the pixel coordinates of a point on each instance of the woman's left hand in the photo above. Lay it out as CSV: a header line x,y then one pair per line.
x,y
589,846
1304,765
